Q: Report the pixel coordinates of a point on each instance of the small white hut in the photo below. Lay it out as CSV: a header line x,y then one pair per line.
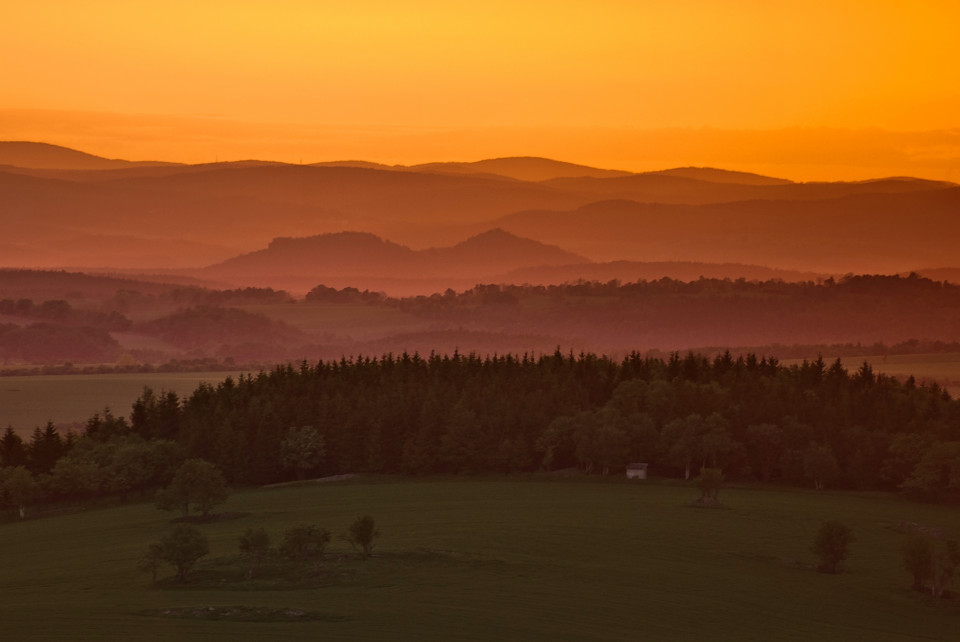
x,y
636,471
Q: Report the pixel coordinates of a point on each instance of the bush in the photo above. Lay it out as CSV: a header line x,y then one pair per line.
x,y
832,545
305,543
918,560
709,481
361,535
182,548
197,484
932,564
255,543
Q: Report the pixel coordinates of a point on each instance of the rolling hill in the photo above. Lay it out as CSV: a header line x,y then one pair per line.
x,y
46,156
879,233
191,216
365,260
522,168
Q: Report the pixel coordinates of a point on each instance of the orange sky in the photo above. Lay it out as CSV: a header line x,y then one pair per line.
x,y
808,90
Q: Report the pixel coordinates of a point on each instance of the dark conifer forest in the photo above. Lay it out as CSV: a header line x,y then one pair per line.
x,y
814,424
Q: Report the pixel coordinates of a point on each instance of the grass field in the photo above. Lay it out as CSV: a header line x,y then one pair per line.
x,y
499,559
941,367
944,368
30,401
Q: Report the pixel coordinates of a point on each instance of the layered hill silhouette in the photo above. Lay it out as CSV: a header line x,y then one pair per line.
x,y
501,255
29,154
366,260
84,319
858,233
62,208
523,168
713,175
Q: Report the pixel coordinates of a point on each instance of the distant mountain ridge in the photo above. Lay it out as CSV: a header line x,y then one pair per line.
x,y
362,254
35,155
713,175
129,216
524,168
876,232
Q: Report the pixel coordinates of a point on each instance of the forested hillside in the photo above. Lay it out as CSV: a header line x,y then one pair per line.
x,y
669,314
812,424
261,326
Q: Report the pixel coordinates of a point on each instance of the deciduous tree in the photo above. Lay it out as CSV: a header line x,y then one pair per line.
x,y
182,548
305,544
820,465
302,449
832,545
709,482
255,544
19,487
362,533
197,484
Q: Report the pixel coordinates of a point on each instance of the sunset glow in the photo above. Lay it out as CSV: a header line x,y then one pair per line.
x,y
637,85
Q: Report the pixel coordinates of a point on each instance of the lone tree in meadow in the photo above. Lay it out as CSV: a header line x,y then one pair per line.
x,y
182,548
152,559
832,545
362,534
932,564
197,484
709,481
303,449
305,544
255,544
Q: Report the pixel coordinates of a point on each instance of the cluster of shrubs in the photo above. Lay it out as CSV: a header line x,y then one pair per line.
x,y
302,545
932,560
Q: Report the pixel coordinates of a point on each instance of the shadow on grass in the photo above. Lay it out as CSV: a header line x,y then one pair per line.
x,y
209,519
242,614
276,573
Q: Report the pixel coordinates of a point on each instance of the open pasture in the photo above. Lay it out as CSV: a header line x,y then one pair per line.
x,y
493,559
30,401
941,367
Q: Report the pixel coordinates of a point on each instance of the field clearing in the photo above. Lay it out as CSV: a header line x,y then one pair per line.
x,y
30,401
508,559
941,367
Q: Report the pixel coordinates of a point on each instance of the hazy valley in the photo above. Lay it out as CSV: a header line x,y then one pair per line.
x,y
117,262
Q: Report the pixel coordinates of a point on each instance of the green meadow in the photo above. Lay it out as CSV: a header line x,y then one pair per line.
x,y
943,368
525,558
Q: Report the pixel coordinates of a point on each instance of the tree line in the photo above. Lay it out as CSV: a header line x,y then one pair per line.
x,y
753,418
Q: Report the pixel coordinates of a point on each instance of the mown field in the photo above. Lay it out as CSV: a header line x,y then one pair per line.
x,y
943,368
30,401
493,559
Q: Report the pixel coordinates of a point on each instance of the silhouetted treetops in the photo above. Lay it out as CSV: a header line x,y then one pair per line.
x,y
814,424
